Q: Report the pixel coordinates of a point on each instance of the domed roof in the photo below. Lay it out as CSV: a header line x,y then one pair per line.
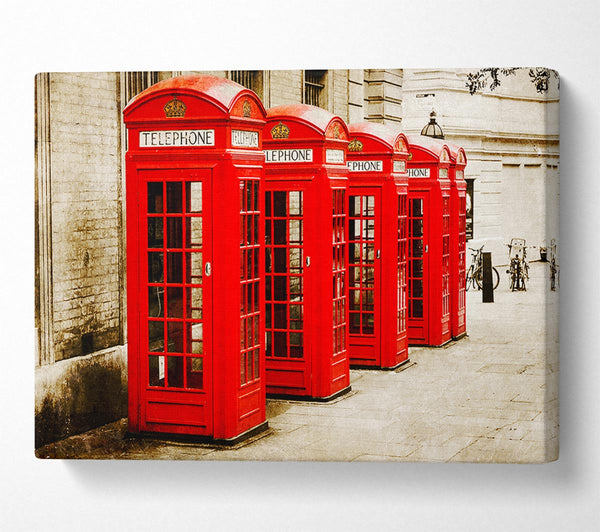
x,y
432,129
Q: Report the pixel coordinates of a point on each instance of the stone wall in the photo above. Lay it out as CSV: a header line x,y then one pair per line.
x,y
86,204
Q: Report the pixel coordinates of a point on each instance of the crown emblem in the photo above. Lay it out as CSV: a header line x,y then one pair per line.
x,y
247,109
280,131
174,108
336,131
355,145
401,145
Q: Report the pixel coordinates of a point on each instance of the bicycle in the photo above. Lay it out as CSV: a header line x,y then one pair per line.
x,y
518,270
475,272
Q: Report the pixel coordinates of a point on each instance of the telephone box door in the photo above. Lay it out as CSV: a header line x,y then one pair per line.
x,y
418,267
287,267
364,249
174,291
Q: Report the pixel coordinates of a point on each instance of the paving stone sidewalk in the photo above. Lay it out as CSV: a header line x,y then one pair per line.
x,y
490,397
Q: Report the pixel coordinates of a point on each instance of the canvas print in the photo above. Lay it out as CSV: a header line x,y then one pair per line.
x,y
307,265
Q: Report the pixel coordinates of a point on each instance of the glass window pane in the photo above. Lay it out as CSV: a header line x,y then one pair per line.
x,y
268,313
354,322
295,260
354,228
369,230
296,312
417,227
367,300
194,196
279,316
256,365
255,195
156,336
194,232
174,302
417,268
155,197
368,206
174,197
354,206
280,260
155,267
268,344
174,232
368,276
367,327
197,331
156,301
175,337
417,288
417,308
295,199
295,227
280,344
280,288
155,232
174,267
175,372
197,348
279,232
268,204
156,370
296,339
194,374
354,299
416,207
194,303
417,247
279,204
295,288
194,266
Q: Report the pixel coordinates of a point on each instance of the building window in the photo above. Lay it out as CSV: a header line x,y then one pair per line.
x,y
136,82
469,208
314,87
251,79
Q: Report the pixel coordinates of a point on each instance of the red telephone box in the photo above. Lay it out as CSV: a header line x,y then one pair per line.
x,y
458,241
306,293
195,259
429,242
377,246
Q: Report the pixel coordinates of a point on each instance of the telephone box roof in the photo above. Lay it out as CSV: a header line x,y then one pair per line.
x,y
454,151
223,92
315,117
389,136
434,146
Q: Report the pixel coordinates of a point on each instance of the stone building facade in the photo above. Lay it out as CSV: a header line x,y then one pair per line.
x,y
81,370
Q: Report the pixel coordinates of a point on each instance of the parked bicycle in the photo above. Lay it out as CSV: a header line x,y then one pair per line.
x,y
475,272
518,270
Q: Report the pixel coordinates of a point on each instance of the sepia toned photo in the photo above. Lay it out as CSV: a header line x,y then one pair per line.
x,y
300,265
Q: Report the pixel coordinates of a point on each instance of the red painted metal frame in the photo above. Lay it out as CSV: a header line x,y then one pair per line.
x,y
225,407
458,241
426,153
388,346
323,371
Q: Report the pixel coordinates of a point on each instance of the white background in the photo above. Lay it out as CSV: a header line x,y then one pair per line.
x,y
150,35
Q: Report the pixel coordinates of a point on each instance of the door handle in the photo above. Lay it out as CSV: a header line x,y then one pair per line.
x,y
207,269
307,261
426,248
378,254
